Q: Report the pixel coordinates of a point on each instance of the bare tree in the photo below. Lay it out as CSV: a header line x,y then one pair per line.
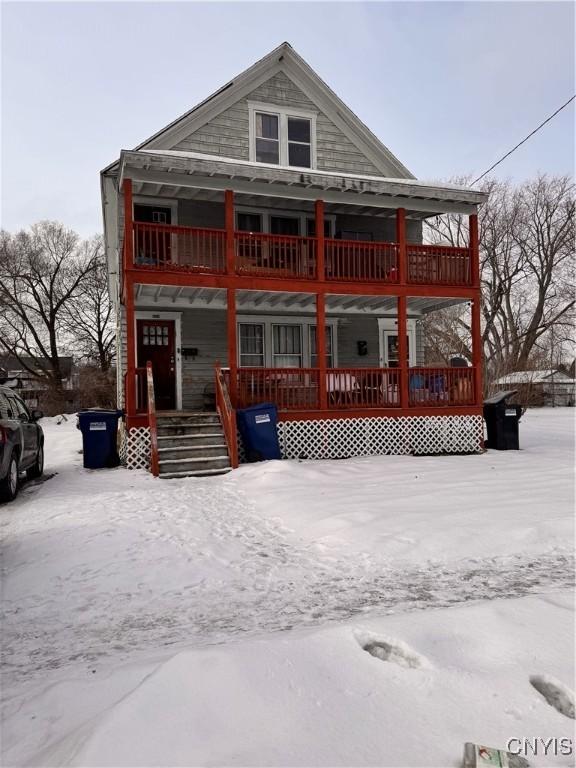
x,y
88,313
40,272
526,253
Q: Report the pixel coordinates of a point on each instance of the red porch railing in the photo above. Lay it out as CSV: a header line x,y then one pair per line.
x,y
291,389
365,262
154,460
297,389
275,255
438,387
227,414
141,389
439,265
363,388
162,245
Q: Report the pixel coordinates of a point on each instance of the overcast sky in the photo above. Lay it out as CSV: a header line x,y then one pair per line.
x,y
448,87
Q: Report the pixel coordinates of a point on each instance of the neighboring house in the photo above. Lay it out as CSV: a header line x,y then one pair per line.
x,y
269,231
551,388
25,375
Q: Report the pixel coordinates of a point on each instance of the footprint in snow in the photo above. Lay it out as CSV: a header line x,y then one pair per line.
x,y
556,694
390,649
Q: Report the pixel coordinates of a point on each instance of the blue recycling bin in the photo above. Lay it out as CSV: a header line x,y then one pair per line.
x,y
99,430
257,426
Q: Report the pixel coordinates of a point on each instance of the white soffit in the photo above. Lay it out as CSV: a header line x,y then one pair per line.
x,y
164,297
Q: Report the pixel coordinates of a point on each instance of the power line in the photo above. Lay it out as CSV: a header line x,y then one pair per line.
x,y
526,139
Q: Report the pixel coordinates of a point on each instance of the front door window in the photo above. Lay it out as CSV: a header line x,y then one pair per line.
x,y
391,356
156,343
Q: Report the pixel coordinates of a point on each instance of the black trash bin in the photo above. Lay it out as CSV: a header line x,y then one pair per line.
x,y
99,432
502,419
257,425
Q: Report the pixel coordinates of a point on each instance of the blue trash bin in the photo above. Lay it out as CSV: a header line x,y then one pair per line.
x,y
257,426
99,430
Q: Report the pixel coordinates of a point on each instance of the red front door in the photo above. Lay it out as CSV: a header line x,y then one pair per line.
x,y
156,344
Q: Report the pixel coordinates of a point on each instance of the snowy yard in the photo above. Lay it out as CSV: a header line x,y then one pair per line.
x,y
222,621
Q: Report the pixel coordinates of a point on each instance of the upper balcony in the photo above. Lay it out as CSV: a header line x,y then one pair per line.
x,y
210,236
161,248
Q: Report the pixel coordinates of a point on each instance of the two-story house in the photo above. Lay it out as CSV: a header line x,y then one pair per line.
x,y
266,246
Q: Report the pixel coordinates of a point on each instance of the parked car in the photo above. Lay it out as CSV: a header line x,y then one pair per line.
x,y
21,443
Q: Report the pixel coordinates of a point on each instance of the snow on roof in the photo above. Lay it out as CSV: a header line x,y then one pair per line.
x,y
535,377
321,172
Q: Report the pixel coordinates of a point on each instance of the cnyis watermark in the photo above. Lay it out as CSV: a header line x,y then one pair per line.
x,y
540,745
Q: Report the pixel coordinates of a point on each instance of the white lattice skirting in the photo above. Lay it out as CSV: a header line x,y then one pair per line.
x,y
135,448
344,438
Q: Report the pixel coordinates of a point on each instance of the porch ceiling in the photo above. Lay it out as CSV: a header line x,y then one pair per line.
x,y
158,190
280,302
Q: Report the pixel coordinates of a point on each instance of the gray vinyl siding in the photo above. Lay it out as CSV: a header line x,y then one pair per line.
x,y
227,135
358,328
198,213
413,231
380,229
205,330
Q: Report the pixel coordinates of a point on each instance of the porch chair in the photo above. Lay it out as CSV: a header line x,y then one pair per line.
x,y
418,390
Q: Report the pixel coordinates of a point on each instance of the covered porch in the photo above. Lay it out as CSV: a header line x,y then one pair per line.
x,y
313,355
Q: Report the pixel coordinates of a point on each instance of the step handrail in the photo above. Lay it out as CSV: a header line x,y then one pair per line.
x,y
154,462
227,415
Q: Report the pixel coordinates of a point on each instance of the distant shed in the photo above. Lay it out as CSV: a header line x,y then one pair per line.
x,y
541,388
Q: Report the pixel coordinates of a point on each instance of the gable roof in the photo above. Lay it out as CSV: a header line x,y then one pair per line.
x,y
282,59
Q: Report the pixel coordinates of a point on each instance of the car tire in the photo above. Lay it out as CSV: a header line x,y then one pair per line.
x,y
37,468
9,485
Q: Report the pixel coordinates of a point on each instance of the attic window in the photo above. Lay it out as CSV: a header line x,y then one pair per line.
x,y
282,136
267,139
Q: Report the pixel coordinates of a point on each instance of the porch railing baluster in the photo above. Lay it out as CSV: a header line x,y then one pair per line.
x,y
258,254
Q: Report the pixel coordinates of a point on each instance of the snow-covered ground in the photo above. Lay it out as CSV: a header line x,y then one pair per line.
x,y
145,622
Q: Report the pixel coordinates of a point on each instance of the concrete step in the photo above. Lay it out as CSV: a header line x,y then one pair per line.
x,y
194,464
192,439
188,428
196,473
184,414
191,418
191,451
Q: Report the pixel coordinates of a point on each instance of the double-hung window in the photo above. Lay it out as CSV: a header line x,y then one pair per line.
x,y
267,138
299,142
281,136
287,346
251,345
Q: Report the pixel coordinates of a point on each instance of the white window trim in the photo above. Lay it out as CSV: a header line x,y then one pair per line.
x,y
295,324
305,322
267,213
283,114
177,317
239,350
387,326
